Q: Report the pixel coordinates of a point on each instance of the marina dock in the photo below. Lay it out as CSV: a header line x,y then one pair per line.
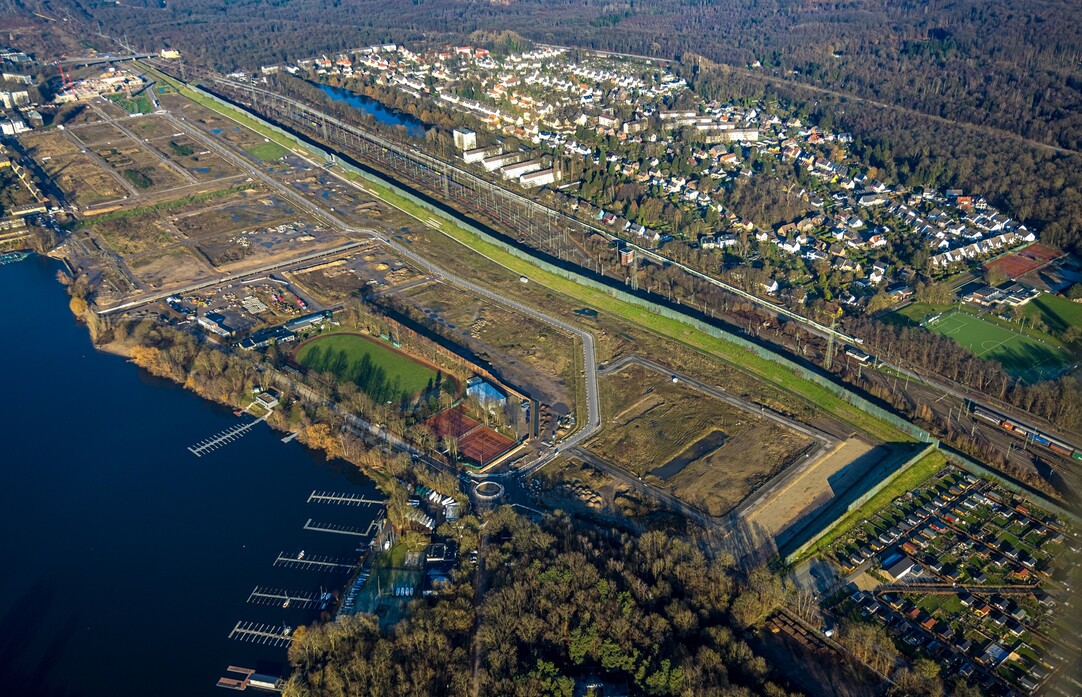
x,y
264,634
222,439
316,563
277,597
337,529
341,499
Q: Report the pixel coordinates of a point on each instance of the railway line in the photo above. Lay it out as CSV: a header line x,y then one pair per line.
x,y
532,220
410,161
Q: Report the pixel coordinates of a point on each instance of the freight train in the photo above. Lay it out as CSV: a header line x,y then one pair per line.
x,y
1026,433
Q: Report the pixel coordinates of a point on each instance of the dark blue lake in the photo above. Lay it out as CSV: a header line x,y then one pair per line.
x,y
126,559
414,126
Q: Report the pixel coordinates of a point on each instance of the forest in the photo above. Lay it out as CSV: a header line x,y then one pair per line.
x,y
554,605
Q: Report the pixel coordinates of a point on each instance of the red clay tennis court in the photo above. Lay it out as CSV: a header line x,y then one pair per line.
x,y
1022,262
451,422
483,445
476,443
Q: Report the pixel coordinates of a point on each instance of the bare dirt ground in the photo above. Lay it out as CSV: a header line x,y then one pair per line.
x,y
81,179
812,668
721,479
583,490
175,267
832,475
705,451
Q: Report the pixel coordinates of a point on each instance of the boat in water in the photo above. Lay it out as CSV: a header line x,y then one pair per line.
x,y
12,257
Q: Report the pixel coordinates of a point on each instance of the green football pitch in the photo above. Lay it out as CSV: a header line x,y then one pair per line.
x,y
1023,356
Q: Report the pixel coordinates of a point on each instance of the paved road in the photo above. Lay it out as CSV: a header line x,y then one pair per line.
x,y
100,162
228,278
665,498
930,382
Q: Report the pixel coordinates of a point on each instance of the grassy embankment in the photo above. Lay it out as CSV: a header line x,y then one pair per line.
x,y
267,152
908,480
673,329
137,104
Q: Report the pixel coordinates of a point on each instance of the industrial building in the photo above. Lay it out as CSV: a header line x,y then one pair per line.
x,y
306,322
266,337
215,323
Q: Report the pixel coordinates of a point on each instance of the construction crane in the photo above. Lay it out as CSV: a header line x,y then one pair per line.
x,y
65,79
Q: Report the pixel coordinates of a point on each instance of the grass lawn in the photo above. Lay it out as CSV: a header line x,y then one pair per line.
x,y
181,149
675,329
1058,313
1023,356
139,104
908,480
138,179
411,376
914,313
268,152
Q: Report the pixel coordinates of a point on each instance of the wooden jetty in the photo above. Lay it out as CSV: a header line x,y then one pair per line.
x,y
264,634
341,499
314,563
222,439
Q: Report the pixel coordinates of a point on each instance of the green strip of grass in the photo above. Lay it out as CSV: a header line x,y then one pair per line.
x,y
139,104
671,328
138,178
229,112
768,370
1056,312
163,206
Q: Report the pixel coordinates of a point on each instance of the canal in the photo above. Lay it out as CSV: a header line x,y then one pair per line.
x,y
415,128
127,560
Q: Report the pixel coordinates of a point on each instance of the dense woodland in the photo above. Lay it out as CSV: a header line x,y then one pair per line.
x,y
561,603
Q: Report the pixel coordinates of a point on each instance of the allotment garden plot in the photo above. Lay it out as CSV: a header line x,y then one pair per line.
x,y
960,570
